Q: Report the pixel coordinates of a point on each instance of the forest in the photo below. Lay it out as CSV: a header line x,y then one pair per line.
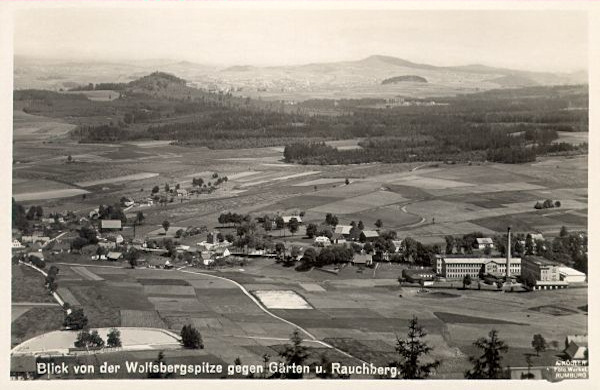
x,y
509,125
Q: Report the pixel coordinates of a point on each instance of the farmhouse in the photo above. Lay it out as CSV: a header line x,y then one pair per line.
x,y
577,347
220,253
485,242
571,275
343,230
544,271
457,266
288,218
111,224
35,238
114,256
182,193
397,245
368,235
362,259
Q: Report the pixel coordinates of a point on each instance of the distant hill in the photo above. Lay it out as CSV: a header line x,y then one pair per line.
x,y
407,78
513,81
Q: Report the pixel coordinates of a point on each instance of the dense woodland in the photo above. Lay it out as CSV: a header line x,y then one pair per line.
x,y
511,126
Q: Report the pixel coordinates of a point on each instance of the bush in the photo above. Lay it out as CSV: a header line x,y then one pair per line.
x,y
191,338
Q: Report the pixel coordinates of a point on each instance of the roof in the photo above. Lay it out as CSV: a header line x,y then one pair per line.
x,y
288,218
114,255
23,363
111,224
485,241
362,258
343,229
542,261
569,271
322,238
537,236
483,260
370,233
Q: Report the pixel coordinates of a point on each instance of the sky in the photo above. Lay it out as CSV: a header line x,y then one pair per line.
x,y
528,40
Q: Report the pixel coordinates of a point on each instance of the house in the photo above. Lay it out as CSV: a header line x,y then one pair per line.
x,y
206,258
338,239
107,244
182,193
485,242
220,253
419,275
48,221
111,224
368,235
36,256
362,259
114,256
288,218
571,275
94,214
397,245
16,244
35,238
537,237
343,230
577,347
322,241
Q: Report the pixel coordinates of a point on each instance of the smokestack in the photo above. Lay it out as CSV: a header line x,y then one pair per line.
x,y
508,255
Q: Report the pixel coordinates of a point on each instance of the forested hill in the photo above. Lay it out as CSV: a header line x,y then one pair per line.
x,y
404,79
503,125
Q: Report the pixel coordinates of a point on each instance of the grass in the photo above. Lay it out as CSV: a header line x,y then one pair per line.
x,y
163,282
453,318
28,285
36,321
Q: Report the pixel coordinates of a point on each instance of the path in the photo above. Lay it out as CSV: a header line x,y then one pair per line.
x,y
312,337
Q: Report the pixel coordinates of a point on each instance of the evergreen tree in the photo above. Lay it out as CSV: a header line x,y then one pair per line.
x,y
488,365
113,338
294,353
411,352
191,338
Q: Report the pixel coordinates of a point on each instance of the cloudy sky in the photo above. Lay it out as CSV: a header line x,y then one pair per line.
x,y
530,40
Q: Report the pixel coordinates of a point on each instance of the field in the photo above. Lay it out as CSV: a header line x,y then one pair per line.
x,y
359,312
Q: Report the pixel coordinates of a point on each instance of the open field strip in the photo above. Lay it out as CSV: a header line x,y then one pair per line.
x,y
137,176
296,175
86,273
53,194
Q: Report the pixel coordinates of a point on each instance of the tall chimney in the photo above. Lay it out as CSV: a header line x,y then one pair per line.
x,y
508,256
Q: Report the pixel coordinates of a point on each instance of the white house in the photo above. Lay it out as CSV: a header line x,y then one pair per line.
x,y
16,244
322,241
288,218
576,347
485,242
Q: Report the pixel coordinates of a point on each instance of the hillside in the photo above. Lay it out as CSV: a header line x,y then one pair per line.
x,y
404,79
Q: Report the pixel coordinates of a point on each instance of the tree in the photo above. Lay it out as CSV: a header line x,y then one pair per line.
x,y
488,365
191,338
557,203
166,224
86,340
311,230
347,181
529,280
139,218
158,375
449,244
113,338
293,225
361,225
294,353
563,231
331,219
466,281
539,343
155,190
379,224
75,320
279,222
411,352
167,188
69,158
